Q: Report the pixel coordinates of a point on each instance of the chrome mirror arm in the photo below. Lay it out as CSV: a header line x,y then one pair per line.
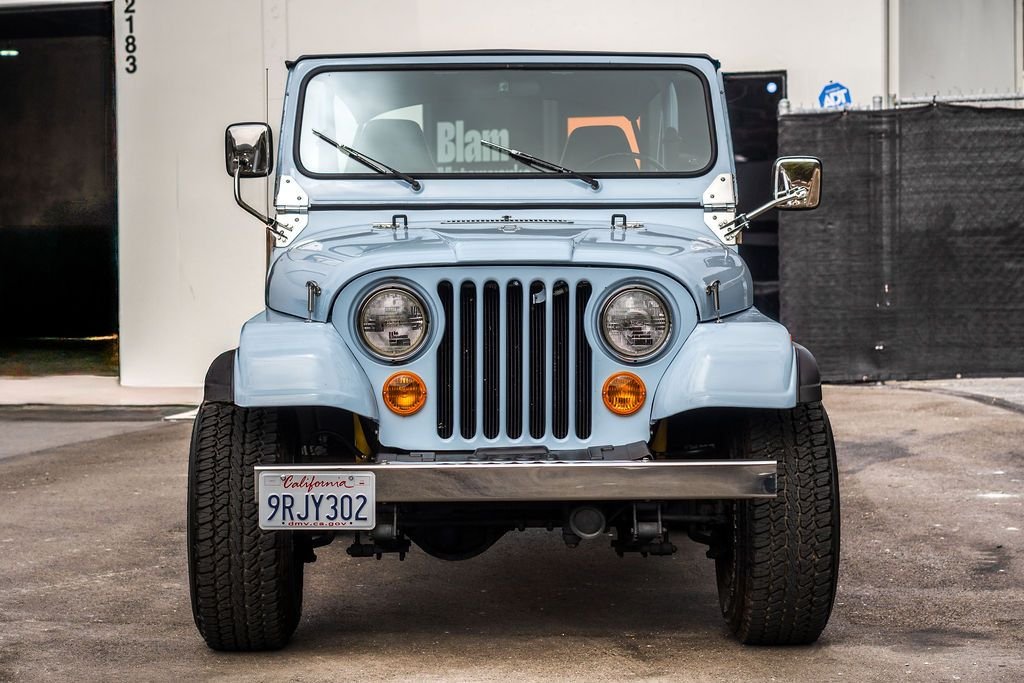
x,y
742,222
269,223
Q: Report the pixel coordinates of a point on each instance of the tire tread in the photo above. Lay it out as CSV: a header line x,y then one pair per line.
x,y
245,594
788,545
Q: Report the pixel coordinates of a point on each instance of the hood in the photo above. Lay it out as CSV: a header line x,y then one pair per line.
x,y
335,256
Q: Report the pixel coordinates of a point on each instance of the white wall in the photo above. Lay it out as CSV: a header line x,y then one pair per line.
x,y
814,41
957,46
192,263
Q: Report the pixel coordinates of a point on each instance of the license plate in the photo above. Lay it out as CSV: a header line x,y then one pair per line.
x,y
317,500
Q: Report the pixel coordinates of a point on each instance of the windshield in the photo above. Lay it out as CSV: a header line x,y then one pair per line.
x,y
432,121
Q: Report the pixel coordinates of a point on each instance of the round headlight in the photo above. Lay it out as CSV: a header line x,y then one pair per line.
x,y
635,323
393,322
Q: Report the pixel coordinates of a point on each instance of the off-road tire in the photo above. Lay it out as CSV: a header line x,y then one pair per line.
x,y
246,584
777,574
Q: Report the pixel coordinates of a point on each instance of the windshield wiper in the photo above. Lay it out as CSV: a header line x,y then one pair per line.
x,y
369,162
543,165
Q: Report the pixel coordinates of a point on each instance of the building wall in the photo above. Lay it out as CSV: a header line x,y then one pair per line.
x,y
957,46
192,263
813,41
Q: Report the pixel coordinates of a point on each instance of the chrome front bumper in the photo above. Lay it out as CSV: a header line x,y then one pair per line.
x,y
495,482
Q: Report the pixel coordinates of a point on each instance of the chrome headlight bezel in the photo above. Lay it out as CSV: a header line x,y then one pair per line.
x,y
602,323
404,290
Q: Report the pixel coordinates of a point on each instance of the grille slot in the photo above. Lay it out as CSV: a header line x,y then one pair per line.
x,y
445,367
584,360
492,362
467,354
514,360
560,352
538,304
514,371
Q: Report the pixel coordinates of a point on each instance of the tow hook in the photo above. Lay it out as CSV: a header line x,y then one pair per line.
x,y
377,547
385,537
646,535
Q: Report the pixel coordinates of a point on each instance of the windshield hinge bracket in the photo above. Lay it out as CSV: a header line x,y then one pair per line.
x,y
719,202
292,206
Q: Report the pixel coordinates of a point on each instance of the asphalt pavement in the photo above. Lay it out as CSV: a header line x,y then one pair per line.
x,y
93,583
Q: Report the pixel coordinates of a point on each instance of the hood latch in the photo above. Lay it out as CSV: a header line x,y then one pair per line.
x,y
619,221
393,226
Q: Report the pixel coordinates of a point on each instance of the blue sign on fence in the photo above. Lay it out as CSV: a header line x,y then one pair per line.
x,y
835,95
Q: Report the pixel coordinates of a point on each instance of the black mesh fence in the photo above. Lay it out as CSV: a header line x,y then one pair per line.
x,y
913,266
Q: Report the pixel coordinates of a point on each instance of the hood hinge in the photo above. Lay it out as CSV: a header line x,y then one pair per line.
x,y
292,206
719,202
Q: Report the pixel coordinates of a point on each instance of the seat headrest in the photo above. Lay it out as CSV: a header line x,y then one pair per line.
x,y
589,143
399,143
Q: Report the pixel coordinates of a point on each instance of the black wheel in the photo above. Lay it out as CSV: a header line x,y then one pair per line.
x,y
246,584
777,573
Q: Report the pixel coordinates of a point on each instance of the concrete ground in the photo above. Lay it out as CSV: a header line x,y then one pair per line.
x,y
92,390
93,582
1005,392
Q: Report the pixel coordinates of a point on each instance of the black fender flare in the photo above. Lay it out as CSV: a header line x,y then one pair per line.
x,y
220,379
808,377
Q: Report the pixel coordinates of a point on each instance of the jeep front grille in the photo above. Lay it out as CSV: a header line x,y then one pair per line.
x,y
514,356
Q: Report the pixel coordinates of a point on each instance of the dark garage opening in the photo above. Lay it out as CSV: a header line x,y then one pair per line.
x,y
753,100
58,267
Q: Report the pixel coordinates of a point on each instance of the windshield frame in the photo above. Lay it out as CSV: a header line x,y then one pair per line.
x,y
502,66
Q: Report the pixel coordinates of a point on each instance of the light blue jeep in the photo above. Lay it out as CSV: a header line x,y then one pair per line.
x,y
505,293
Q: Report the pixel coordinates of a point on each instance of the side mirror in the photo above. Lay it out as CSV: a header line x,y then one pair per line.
x,y
248,150
797,188
797,182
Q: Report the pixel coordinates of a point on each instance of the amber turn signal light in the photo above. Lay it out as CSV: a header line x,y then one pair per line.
x,y
624,393
404,393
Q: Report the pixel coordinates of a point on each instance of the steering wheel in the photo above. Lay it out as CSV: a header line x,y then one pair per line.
x,y
632,155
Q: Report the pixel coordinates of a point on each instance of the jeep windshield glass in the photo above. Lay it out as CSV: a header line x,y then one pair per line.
x,y
600,122
370,163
